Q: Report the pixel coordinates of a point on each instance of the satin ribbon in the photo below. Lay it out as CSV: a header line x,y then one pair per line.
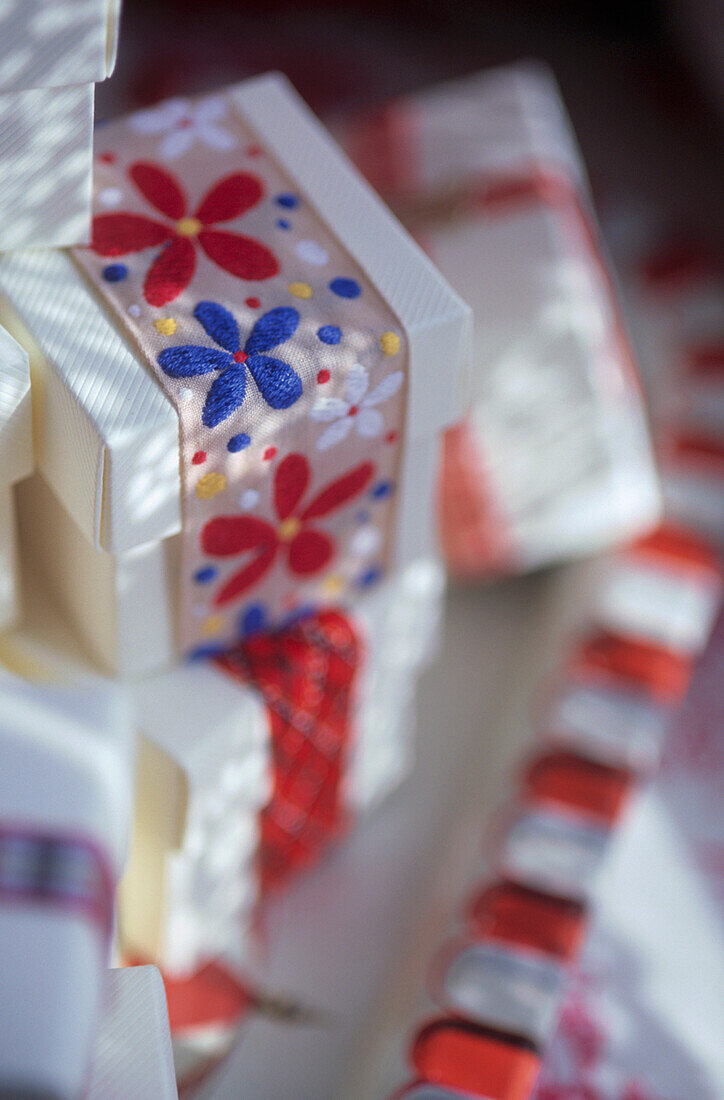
x,y
65,873
307,676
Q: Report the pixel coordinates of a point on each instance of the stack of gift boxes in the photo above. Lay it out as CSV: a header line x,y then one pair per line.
x,y
238,376
239,372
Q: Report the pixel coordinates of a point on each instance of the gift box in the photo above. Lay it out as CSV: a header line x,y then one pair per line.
x,y
65,798
46,152
366,356
287,760
132,1055
554,460
55,43
16,461
52,52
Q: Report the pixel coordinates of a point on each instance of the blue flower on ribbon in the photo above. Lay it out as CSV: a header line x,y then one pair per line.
x,y
278,383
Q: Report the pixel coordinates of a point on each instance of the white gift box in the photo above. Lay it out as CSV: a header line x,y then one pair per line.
x,y
54,43
132,1056
615,725
107,437
46,152
16,461
491,984
65,798
667,599
553,852
555,459
191,888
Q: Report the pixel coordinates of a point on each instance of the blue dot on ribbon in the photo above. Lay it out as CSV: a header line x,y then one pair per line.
x,y
288,201
205,574
253,619
115,273
238,442
329,334
345,288
370,577
382,490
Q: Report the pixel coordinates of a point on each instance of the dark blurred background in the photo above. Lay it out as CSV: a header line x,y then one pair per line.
x,y
643,81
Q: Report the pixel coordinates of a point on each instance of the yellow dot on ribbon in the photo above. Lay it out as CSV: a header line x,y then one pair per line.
x,y
165,325
188,227
300,290
212,624
289,529
390,343
332,585
210,485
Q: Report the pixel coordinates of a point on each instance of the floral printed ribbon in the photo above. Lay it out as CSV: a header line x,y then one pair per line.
x,y
287,368
60,872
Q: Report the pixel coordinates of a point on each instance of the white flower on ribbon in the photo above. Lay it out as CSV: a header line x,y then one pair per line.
x,y
357,408
184,123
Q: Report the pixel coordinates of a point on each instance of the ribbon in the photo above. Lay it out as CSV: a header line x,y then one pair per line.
x,y
307,676
60,872
286,367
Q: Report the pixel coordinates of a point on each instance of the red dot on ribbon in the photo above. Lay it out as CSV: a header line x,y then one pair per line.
x,y
107,158
199,457
252,303
253,150
269,454
323,377
390,437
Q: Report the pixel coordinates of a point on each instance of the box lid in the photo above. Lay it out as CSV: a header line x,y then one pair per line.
x,y
54,43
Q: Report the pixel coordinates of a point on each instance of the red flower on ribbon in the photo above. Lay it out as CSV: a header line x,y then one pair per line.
x,y
173,268
308,550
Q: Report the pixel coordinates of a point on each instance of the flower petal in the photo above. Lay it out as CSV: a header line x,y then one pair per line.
x,y
217,138
119,234
290,484
279,384
384,389
273,328
191,359
242,581
229,198
226,536
240,256
159,188
156,120
328,408
170,272
335,433
225,395
309,552
340,491
177,143
209,109
356,383
370,423
219,324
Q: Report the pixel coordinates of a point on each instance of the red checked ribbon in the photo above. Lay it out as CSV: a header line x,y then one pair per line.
x,y
59,872
307,676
